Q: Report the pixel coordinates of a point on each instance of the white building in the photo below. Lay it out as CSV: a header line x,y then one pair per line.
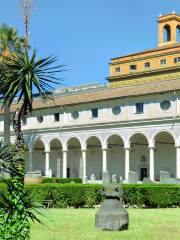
x,y
130,124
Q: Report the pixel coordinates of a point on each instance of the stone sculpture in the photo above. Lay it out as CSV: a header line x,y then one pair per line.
x,y
111,216
132,177
93,177
114,178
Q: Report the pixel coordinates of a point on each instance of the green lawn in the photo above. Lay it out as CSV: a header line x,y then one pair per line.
x,y
78,224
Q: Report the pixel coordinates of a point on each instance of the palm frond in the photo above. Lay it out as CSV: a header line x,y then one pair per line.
x,y
6,158
25,74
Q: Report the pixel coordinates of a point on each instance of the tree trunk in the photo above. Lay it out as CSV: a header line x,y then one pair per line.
x,y
18,221
7,123
19,147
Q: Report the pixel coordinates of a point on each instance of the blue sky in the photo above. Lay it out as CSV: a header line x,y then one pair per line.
x,y
86,34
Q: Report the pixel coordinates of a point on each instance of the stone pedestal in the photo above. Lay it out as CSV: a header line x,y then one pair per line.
x,y
112,216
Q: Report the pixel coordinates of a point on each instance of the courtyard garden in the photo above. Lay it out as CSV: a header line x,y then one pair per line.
x,y
70,224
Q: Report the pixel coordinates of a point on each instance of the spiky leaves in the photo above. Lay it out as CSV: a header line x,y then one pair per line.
x,y
6,159
25,74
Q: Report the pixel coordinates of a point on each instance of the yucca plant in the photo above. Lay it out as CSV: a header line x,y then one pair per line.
x,y
22,75
14,218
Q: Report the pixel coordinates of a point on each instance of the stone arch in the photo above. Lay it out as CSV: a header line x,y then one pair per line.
x,y
166,33
74,158
84,145
70,138
128,142
139,154
54,139
93,146
152,140
38,155
38,139
115,155
55,157
110,135
165,153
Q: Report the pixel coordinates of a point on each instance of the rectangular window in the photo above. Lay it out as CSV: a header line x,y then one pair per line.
x,y
56,117
147,64
163,61
139,107
133,67
177,60
117,69
94,113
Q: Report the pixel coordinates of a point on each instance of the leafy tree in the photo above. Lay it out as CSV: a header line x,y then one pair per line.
x,y
10,43
23,74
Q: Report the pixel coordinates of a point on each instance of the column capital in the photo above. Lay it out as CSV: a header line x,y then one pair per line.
x,y
83,150
127,148
47,151
64,150
151,147
104,149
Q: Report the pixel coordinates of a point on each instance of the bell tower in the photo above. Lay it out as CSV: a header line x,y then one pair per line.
x,y
168,29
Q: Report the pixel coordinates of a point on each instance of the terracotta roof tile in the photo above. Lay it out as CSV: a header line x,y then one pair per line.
x,y
110,93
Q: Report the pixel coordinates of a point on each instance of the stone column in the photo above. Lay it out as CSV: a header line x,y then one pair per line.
x,y
84,164
30,161
127,150
64,163
47,163
177,161
59,165
151,163
104,164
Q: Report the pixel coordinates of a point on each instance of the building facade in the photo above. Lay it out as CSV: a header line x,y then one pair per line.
x,y
130,124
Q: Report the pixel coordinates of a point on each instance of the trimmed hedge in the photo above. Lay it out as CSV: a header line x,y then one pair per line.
x,y
61,180
88,195
53,180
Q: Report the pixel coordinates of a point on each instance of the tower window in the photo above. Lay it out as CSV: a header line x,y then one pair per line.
x,y
163,61
133,67
167,33
147,64
56,117
139,107
177,60
117,69
94,112
178,33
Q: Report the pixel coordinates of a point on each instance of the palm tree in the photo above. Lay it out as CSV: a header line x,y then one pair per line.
x,y
10,43
22,75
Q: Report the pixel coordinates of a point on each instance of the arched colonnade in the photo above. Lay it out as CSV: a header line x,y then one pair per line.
x,y
76,157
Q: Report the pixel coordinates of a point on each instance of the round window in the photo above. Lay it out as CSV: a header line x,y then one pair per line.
x,y
75,115
116,110
165,105
40,119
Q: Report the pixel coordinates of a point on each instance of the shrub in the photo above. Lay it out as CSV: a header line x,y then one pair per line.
x,y
88,195
61,180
